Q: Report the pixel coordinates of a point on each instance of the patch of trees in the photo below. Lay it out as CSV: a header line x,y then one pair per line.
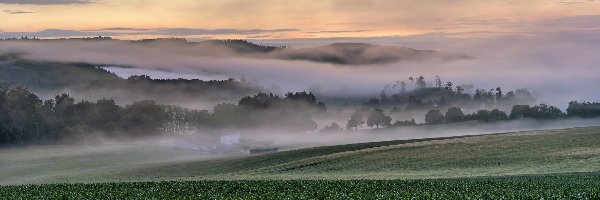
x,y
399,123
240,46
27,119
144,82
294,111
356,120
434,117
188,85
488,116
377,118
417,94
334,127
583,109
541,111
456,114
371,117
173,90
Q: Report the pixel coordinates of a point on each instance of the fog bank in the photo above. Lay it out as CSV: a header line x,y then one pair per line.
x,y
557,67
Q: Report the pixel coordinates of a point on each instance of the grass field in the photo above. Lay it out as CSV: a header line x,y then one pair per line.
x,y
552,164
534,152
530,152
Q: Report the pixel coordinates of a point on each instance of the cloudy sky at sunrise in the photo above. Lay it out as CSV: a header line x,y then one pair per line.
x,y
275,19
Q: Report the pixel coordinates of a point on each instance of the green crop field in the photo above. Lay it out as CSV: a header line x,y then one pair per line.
x,y
550,164
571,186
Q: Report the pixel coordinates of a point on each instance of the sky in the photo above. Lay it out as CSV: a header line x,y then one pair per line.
x,y
280,19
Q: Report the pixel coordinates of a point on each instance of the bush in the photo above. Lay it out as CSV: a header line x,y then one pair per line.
x,y
434,117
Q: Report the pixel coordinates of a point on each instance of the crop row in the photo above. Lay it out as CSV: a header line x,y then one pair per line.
x,y
572,186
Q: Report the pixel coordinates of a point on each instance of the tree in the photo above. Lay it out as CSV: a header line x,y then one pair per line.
x,y
106,115
331,128
421,82
497,115
499,94
454,114
459,89
434,117
438,82
399,123
402,86
378,118
304,99
520,111
260,100
583,109
355,121
541,111
26,120
544,111
383,96
490,116
449,86
372,102
144,118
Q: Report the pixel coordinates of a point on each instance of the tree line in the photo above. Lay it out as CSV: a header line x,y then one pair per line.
x,y
422,96
376,117
25,118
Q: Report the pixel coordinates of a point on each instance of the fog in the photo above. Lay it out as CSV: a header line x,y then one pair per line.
x,y
110,159
557,67
303,140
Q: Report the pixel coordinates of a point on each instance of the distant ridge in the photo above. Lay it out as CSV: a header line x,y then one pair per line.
x,y
351,54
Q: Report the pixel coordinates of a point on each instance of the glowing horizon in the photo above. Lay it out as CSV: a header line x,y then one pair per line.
x,y
272,19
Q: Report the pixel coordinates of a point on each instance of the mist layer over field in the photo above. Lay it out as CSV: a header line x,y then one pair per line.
x,y
148,160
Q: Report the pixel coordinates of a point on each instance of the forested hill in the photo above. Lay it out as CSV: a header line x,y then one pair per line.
x,y
337,53
88,81
40,75
342,54
364,54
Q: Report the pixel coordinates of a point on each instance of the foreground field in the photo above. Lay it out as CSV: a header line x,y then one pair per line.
x,y
565,186
530,152
519,153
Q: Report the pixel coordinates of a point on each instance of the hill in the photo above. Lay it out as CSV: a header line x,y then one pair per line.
x,y
337,53
364,54
49,75
519,153
92,82
343,54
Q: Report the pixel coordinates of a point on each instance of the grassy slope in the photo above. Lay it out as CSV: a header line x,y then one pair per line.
x,y
537,152
50,75
533,152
